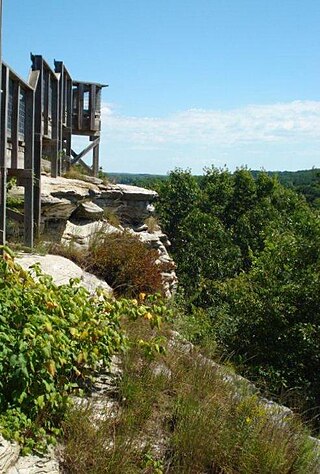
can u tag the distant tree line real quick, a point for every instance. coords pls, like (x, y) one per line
(305, 182)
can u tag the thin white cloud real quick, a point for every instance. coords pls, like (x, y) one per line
(291, 122)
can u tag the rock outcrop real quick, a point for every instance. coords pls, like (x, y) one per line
(64, 199)
(76, 211)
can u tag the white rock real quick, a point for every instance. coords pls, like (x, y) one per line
(74, 189)
(61, 269)
(9, 453)
(35, 465)
(88, 210)
(82, 235)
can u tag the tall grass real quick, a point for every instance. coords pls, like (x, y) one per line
(179, 415)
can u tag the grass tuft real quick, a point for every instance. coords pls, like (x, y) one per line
(179, 415)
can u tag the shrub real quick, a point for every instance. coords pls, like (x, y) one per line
(51, 339)
(123, 261)
(126, 264)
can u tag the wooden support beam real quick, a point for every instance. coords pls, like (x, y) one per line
(69, 104)
(80, 105)
(55, 157)
(92, 106)
(3, 151)
(20, 173)
(86, 150)
(29, 164)
(68, 137)
(60, 78)
(14, 215)
(38, 146)
(15, 124)
(86, 167)
(95, 157)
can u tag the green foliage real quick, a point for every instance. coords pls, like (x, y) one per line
(247, 251)
(217, 224)
(306, 182)
(271, 314)
(51, 340)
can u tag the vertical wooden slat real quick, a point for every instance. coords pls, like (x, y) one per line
(3, 151)
(68, 134)
(29, 164)
(60, 109)
(92, 106)
(80, 105)
(69, 104)
(38, 145)
(55, 128)
(15, 124)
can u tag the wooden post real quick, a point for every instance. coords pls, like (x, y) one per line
(15, 124)
(92, 106)
(3, 151)
(54, 148)
(38, 147)
(80, 105)
(29, 164)
(86, 150)
(95, 157)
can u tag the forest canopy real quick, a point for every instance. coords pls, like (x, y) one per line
(248, 255)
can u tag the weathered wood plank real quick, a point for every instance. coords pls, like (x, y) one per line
(3, 151)
(84, 165)
(38, 66)
(92, 105)
(95, 157)
(80, 105)
(55, 157)
(15, 124)
(29, 164)
(15, 215)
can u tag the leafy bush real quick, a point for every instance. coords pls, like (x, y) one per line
(270, 320)
(51, 339)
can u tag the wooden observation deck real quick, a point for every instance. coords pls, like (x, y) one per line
(38, 119)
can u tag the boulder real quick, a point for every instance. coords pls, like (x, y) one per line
(61, 196)
(130, 203)
(80, 235)
(74, 190)
(62, 270)
(89, 211)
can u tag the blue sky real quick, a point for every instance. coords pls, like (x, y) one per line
(191, 83)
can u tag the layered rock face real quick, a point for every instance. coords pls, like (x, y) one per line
(76, 211)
